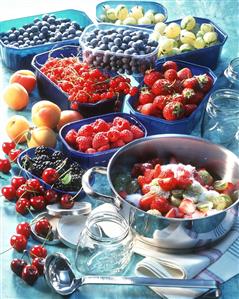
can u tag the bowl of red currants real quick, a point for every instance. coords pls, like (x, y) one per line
(172, 97)
(64, 79)
(93, 141)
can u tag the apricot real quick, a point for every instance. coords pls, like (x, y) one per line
(46, 113)
(42, 136)
(17, 127)
(15, 96)
(68, 116)
(25, 78)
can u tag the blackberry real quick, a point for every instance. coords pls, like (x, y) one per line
(36, 169)
(26, 162)
(58, 156)
(41, 150)
(57, 163)
(59, 185)
(47, 164)
(41, 159)
(75, 167)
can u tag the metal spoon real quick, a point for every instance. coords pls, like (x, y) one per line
(60, 277)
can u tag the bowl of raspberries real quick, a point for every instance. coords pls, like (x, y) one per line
(94, 140)
(172, 97)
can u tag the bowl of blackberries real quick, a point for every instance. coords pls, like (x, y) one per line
(21, 39)
(120, 48)
(52, 168)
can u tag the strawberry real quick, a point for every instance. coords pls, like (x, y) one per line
(205, 82)
(145, 188)
(170, 75)
(172, 213)
(169, 65)
(100, 139)
(187, 207)
(191, 83)
(146, 201)
(184, 74)
(188, 94)
(160, 102)
(151, 76)
(183, 179)
(145, 97)
(157, 170)
(137, 132)
(161, 87)
(147, 109)
(173, 111)
(161, 204)
(189, 108)
(197, 98)
(177, 86)
(179, 98)
(167, 184)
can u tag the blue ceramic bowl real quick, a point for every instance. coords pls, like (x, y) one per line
(155, 125)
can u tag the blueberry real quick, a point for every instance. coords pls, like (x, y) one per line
(64, 34)
(129, 51)
(17, 33)
(78, 33)
(148, 49)
(41, 35)
(44, 23)
(146, 35)
(45, 17)
(126, 39)
(126, 32)
(21, 30)
(140, 44)
(142, 52)
(32, 43)
(52, 28)
(124, 47)
(31, 35)
(130, 43)
(38, 42)
(71, 36)
(110, 45)
(119, 51)
(105, 39)
(51, 20)
(9, 32)
(6, 42)
(44, 29)
(76, 25)
(16, 45)
(94, 42)
(35, 38)
(36, 20)
(140, 34)
(59, 36)
(25, 39)
(68, 24)
(13, 28)
(20, 42)
(34, 29)
(134, 38)
(114, 49)
(118, 42)
(12, 37)
(72, 30)
(52, 39)
(28, 30)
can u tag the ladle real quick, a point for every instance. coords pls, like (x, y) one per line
(60, 277)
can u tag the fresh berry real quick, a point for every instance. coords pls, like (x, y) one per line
(100, 139)
(38, 251)
(160, 102)
(39, 263)
(50, 175)
(103, 148)
(71, 137)
(188, 94)
(146, 97)
(147, 109)
(133, 91)
(173, 111)
(169, 65)
(117, 143)
(179, 98)
(23, 206)
(101, 126)
(38, 203)
(13, 154)
(205, 82)
(161, 204)
(86, 130)
(17, 181)
(66, 201)
(198, 97)
(50, 196)
(24, 229)
(146, 201)
(189, 108)
(43, 227)
(152, 76)
(170, 75)
(187, 207)
(23, 191)
(18, 242)
(7, 146)
(184, 74)
(137, 132)
(17, 266)
(9, 192)
(5, 165)
(121, 123)
(113, 134)
(177, 86)
(166, 180)
(191, 83)
(162, 87)
(83, 143)
(172, 213)
(29, 274)
(127, 136)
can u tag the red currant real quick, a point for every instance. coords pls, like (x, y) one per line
(7, 146)
(38, 251)
(24, 229)
(50, 175)
(17, 181)
(18, 242)
(9, 192)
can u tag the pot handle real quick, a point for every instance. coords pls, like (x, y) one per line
(86, 185)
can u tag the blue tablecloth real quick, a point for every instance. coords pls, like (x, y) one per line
(225, 14)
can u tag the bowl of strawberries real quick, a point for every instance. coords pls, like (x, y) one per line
(172, 97)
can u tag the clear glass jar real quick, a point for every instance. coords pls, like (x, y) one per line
(105, 245)
(221, 119)
(230, 77)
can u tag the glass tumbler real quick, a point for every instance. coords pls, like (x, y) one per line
(221, 119)
(105, 245)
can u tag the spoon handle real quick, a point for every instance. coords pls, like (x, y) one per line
(146, 281)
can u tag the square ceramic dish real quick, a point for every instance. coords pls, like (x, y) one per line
(112, 61)
(208, 56)
(20, 58)
(155, 125)
(27, 174)
(98, 158)
(49, 90)
(146, 5)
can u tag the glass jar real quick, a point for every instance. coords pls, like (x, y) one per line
(221, 119)
(230, 77)
(105, 245)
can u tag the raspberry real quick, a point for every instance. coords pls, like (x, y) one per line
(117, 143)
(127, 136)
(137, 132)
(71, 137)
(121, 123)
(90, 151)
(83, 143)
(86, 130)
(103, 148)
(113, 134)
(100, 139)
(100, 126)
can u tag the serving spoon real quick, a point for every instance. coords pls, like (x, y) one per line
(61, 278)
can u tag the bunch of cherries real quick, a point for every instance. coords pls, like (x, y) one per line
(9, 148)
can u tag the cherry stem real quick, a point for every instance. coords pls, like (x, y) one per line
(47, 237)
(30, 213)
(77, 193)
(61, 165)
(6, 250)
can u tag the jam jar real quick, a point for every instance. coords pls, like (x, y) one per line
(105, 245)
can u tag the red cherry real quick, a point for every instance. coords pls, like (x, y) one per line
(38, 203)
(5, 165)
(7, 146)
(42, 227)
(17, 266)
(9, 192)
(38, 251)
(66, 201)
(41, 190)
(51, 196)
(13, 154)
(24, 229)
(33, 184)
(17, 181)
(50, 175)
(23, 206)
(18, 242)
(39, 263)
(30, 274)
(23, 191)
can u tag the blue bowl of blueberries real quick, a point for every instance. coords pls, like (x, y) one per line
(21, 39)
(119, 48)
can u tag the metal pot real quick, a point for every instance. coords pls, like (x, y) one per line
(172, 234)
